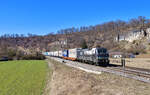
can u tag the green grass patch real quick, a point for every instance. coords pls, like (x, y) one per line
(23, 77)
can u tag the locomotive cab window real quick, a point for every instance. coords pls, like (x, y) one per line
(102, 50)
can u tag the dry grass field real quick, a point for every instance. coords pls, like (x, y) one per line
(134, 62)
(70, 81)
(143, 56)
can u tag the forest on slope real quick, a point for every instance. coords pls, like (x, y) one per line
(97, 35)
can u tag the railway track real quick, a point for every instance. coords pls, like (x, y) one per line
(129, 72)
(134, 72)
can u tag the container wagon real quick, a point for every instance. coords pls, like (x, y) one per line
(74, 53)
(46, 53)
(65, 54)
(60, 54)
(56, 54)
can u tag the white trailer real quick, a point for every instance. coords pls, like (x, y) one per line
(50, 53)
(60, 54)
(74, 53)
(55, 53)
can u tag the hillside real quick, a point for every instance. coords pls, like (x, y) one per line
(98, 35)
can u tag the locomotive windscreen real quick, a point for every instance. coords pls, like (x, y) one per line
(103, 50)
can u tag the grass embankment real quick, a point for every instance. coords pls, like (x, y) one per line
(71, 81)
(22, 77)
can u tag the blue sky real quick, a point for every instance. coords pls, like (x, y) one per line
(46, 16)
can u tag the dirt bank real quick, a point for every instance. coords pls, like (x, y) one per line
(70, 81)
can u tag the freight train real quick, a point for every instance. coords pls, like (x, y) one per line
(95, 56)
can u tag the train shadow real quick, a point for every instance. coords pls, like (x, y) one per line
(114, 65)
(110, 65)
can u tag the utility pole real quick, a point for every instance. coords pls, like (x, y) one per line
(62, 49)
(62, 45)
(123, 62)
